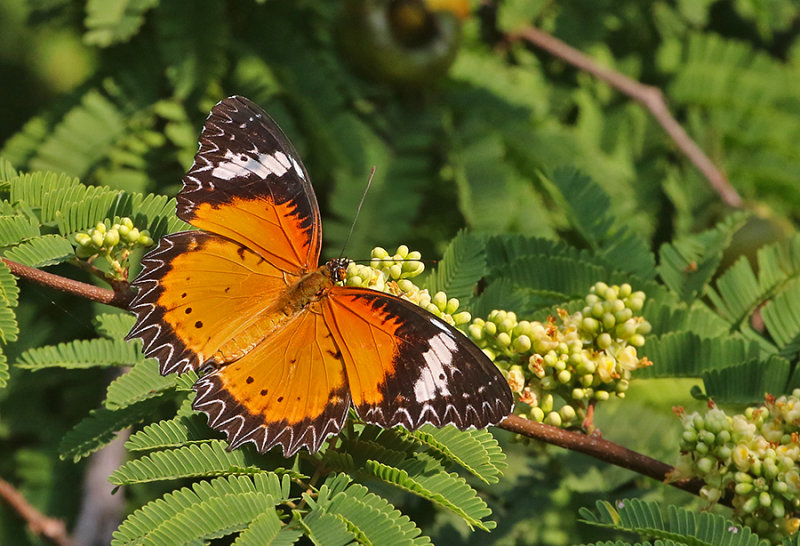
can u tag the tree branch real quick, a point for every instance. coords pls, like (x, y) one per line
(118, 298)
(53, 529)
(649, 96)
(601, 449)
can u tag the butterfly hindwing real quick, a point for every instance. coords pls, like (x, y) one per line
(200, 297)
(290, 390)
(248, 184)
(408, 367)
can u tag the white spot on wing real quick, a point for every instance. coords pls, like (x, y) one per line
(438, 357)
(242, 165)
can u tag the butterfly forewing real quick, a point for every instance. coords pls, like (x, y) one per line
(408, 367)
(248, 184)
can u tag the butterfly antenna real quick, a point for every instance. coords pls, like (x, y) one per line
(358, 210)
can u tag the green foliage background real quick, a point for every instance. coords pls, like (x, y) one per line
(564, 180)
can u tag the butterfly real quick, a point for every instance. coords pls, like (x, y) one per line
(283, 348)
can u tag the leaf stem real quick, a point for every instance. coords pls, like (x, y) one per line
(602, 449)
(649, 96)
(120, 297)
(53, 529)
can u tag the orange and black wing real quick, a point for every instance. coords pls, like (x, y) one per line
(200, 300)
(407, 367)
(291, 390)
(248, 184)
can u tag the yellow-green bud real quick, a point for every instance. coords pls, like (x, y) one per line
(440, 300)
(402, 252)
(111, 238)
(567, 413)
(101, 227)
(83, 239)
(127, 222)
(522, 344)
(462, 318)
(503, 339)
(537, 414)
(97, 238)
(452, 306)
(553, 419)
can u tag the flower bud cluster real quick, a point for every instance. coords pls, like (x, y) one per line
(559, 370)
(755, 455)
(112, 241)
(392, 274)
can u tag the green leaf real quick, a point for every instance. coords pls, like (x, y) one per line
(156, 213)
(114, 325)
(100, 427)
(193, 461)
(158, 513)
(81, 353)
(748, 382)
(370, 518)
(687, 265)
(112, 21)
(82, 138)
(170, 433)
(78, 208)
(9, 291)
(684, 526)
(7, 170)
(30, 188)
(143, 381)
(42, 251)
(685, 354)
(9, 328)
(3, 370)
(462, 266)
(425, 478)
(267, 530)
(15, 229)
(586, 204)
(326, 529)
(476, 451)
(781, 317)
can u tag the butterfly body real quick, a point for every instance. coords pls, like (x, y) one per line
(286, 350)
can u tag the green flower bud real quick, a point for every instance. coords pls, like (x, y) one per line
(402, 251)
(710, 494)
(101, 227)
(127, 222)
(503, 339)
(490, 328)
(475, 332)
(98, 238)
(609, 321)
(553, 419)
(597, 310)
(764, 499)
(637, 340)
(750, 505)
(604, 341)
(564, 376)
(625, 290)
(778, 509)
(587, 380)
(590, 325)
(537, 414)
(452, 306)
(644, 328)
(395, 271)
(705, 465)
(567, 413)
(602, 395)
(462, 318)
(133, 235)
(547, 403)
(83, 239)
(522, 344)
(743, 488)
(440, 300)
(111, 239)
(578, 394)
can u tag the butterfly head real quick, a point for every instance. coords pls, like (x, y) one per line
(338, 268)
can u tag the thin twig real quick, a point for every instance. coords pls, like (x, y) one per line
(119, 298)
(649, 96)
(50, 528)
(601, 449)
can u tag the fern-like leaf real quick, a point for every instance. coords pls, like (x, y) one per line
(370, 518)
(476, 451)
(3, 370)
(154, 515)
(462, 266)
(100, 427)
(81, 354)
(267, 530)
(682, 525)
(426, 478)
(114, 325)
(112, 21)
(18, 228)
(210, 458)
(30, 188)
(42, 251)
(78, 208)
(748, 382)
(143, 381)
(685, 354)
(169, 433)
(7, 170)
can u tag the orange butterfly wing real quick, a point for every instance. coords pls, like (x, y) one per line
(248, 184)
(290, 390)
(407, 367)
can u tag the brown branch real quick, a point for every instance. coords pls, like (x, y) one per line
(649, 96)
(601, 449)
(51, 528)
(120, 297)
